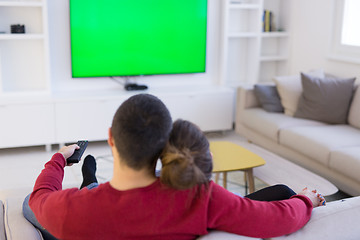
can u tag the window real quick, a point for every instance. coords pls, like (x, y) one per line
(350, 34)
(346, 33)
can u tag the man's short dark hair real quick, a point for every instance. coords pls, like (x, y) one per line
(141, 129)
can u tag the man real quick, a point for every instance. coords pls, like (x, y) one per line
(140, 130)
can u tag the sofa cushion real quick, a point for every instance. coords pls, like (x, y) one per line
(269, 97)
(269, 124)
(346, 161)
(317, 142)
(338, 220)
(325, 99)
(16, 226)
(290, 89)
(2, 228)
(354, 112)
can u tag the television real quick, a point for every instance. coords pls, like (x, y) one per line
(137, 37)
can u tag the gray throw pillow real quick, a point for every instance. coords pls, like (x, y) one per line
(268, 97)
(325, 99)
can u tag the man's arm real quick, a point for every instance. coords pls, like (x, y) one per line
(48, 183)
(231, 213)
(50, 178)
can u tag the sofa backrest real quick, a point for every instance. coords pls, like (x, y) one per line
(354, 112)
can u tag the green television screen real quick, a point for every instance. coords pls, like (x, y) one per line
(137, 37)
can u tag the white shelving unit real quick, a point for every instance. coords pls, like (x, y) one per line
(24, 58)
(26, 107)
(250, 55)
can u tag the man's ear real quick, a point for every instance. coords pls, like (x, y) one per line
(110, 138)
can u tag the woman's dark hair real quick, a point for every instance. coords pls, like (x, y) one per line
(186, 159)
(141, 128)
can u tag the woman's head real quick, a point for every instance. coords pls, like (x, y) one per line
(186, 158)
(140, 130)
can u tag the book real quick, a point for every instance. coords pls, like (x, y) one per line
(267, 21)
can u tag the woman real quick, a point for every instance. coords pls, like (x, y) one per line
(187, 161)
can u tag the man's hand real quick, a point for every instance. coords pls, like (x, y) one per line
(316, 198)
(67, 151)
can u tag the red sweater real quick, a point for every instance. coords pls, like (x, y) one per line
(156, 211)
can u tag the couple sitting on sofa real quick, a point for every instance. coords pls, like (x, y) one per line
(181, 204)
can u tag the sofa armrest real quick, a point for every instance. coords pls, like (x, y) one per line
(16, 226)
(337, 220)
(246, 98)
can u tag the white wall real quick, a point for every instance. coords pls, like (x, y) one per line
(312, 24)
(60, 55)
(311, 31)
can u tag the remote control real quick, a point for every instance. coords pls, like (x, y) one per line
(75, 158)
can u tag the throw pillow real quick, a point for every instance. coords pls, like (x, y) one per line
(354, 112)
(325, 99)
(290, 89)
(268, 97)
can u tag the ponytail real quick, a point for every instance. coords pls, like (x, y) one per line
(186, 159)
(179, 170)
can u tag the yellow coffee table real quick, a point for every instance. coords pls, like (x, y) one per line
(228, 156)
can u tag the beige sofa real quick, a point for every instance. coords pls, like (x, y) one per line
(330, 150)
(337, 220)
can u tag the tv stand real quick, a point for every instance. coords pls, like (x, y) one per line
(211, 107)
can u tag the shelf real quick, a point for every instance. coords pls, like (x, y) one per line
(20, 4)
(274, 34)
(19, 36)
(273, 58)
(245, 6)
(242, 34)
(235, 84)
(254, 34)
